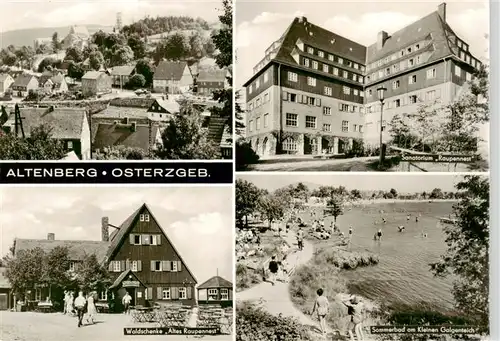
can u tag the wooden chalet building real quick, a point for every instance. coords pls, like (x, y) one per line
(216, 290)
(140, 258)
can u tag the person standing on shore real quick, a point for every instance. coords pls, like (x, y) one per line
(321, 307)
(300, 238)
(273, 269)
(355, 310)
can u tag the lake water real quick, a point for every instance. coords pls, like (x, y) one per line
(402, 275)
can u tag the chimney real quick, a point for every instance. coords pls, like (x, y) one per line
(105, 229)
(51, 236)
(302, 19)
(381, 38)
(442, 11)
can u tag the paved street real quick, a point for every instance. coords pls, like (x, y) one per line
(28, 326)
(300, 165)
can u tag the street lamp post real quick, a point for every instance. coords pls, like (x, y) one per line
(381, 93)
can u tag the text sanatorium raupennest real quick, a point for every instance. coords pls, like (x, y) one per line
(115, 172)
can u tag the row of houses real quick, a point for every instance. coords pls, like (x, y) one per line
(141, 260)
(130, 122)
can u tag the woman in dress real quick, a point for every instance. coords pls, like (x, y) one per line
(70, 303)
(91, 309)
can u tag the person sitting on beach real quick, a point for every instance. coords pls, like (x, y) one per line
(355, 310)
(273, 269)
(321, 307)
(401, 228)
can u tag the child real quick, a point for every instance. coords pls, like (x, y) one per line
(355, 310)
(321, 306)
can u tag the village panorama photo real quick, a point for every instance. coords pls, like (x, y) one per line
(134, 80)
(362, 86)
(93, 264)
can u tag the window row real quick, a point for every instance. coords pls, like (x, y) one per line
(303, 99)
(172, 293)
(218, 294)
(334, 58)
(332, 70)
(136, 265)
(257, 123)
(328, 91)
(144, 217)
(258, 101)
(256, 84)
(405, 100)
(395, 68)
(145, 239)
(345, 127)
(401, 53)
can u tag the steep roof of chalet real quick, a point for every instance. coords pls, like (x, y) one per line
(116, 134)
(124, 70)
(431, 26)
(212, 76)
(78, 249)
(216, 127)
(66, 123)
(122, 276)
(216, 282)
(23, 80)
(167, 70)
(119, 236)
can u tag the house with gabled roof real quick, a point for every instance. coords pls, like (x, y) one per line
(53, 82)
(120, 75)
(5, 82)
(23, 84)
(216, 290)
(209, 81)
(96, 83)
(172, 77)
(139, 256)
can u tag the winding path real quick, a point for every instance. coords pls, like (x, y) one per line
(275, 299)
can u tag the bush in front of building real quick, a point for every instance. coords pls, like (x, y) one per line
(245, 155)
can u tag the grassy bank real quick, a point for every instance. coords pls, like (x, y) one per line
(323, 272)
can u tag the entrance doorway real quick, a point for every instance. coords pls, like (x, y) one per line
(265, 146)
(4, 302)
(131, 292)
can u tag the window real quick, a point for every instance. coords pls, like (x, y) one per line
(292, 76)
(312, 101)
(340, 60)
(327, 91)
(311, 81)
(431, 73)
(250, 125)
(380, 74)
(325, 67)
(327, 127)
(395, 67)
(419, 60)
(174, 266)
(356, 92)
(315, 64)
(388, 71)
(360, 128)
(354, 127)
(361, 94)
(306, 62)
(224, 294)
(368, 109)
(431, 95)
(397, 103)
(291, 120)
(343, 107)
(266, 120)
(409, 50)
(257, 123)
(417, 47)
(71, 266)
(330, 57)
(468, 76)
(345, 74)
(293, 97)
(356, 66)
(311, 122)
(382, 127)
(266, 76)
(257, 103)
(458, 71)
(413, 99)
(327, 111)
(321, 54)
(412, 79)
(212, 294)
(165, 293)
(257, 83)
(395, 84)
(347, 90)
(345, 126)
(70, 144)
(335, 71)
(141, 217)
(354, 77)
(370, 92)
(116, 266)
(38, 294)
(411, 62)
(310, 50)
(348, 63)
(290, 144)
(266, 98)
(103, 296)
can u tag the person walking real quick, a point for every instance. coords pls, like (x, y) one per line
(284, 270)
(355, 310)
(300, 238)
(70, 303)
(321, 307)
(126, 303)
(91, 308)
(273, 269)
(80, 307)
(65, 300)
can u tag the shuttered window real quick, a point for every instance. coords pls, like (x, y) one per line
(175, 293)
(189, 293)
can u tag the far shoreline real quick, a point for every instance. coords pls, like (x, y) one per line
(385, 201)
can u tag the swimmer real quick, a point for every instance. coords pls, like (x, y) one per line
(424, 235)
(379, 234)
(384, 220)
(416, 219)
(350, 231)
(408, 217)
(401, 228)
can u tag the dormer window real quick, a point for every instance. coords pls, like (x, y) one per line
(321, 54)
(144, 217)
(310, 50)
(71, 266)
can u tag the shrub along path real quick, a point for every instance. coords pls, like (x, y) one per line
(276, 299)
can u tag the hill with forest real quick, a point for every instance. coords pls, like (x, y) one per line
(26, 37)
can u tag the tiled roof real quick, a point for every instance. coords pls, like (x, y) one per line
(429, 26)
(136, 102)
(92, 75)
(169, 70)
(172, 107)
(121, 112)
(66, 123)
(22, 80)
(212, 76)
(122, 276)
(118, 236)
(124, 70)
(77, 248)
(216, 282)
(216, 127)
(110, 134)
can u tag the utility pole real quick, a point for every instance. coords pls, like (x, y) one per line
(18, 122)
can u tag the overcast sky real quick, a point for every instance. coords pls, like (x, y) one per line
(259, 23)
(198, 220)
(403, 183)
(21, 14)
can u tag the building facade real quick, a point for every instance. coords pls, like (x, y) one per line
(172, 77)
(5, 82)
(317, 92)
(216, 291)
(23, 84)
(96, 83)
